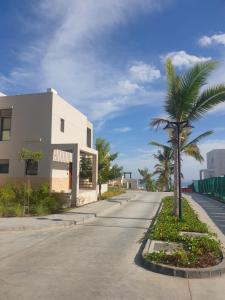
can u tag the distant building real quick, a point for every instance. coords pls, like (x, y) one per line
(130, 183)
(215, 164)
(127, 183)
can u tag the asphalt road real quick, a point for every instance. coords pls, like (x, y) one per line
(93, 261)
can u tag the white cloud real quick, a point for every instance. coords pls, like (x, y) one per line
(67, 55)
(213, 39)
(127, 87)
(123, 129)
(143, 72)
(182, 59)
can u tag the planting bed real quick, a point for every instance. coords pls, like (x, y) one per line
(199, 248)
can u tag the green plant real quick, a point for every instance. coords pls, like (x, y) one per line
(41, 200)
(19, 211)
(165, 166)
(113, 191)
(197, 251)
(42, 210)
(186, 100)
(106, 171)
(26, 154)
(147, 180)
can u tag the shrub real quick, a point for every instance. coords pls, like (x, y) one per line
(41, 210)
(168, 227)
(112, 191)
(41, 201)
(19, 211)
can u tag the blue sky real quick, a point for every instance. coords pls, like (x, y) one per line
(107, 59)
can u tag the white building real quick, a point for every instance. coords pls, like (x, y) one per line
(45, 122)
(130, 183)
(215, 164)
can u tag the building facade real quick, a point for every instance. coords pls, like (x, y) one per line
(47, 123)
(215, 164)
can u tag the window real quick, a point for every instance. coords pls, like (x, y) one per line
(62, 125)
(89, 137)
(31, 167)
(5, 124)
(4, 166)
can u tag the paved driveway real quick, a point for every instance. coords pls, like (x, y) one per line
(93, 261)
(214, 208)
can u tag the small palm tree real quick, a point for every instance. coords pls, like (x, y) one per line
(164, 168)
(147, 179)
(106, 171)
(187, 101)
(166, 158)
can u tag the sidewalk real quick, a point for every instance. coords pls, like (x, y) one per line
(201, 204)
(72, 217)
(214, 208)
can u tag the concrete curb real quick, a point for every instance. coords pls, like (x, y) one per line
(37, 227)
(209, 272)
(87, 217)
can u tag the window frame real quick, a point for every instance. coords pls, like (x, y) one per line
(5, 114)
(89, 137)
(62, 125)
(33, 165)
(4, 164)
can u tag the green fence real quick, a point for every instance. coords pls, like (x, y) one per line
(213, 186)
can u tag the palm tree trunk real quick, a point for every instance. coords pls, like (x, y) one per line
(100, 191)
(176, 179)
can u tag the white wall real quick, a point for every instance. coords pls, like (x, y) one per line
(30, 128)
(76, 123)
(86, 196)
(216, 162)
(104, 188)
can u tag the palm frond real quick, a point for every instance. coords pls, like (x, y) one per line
(184, 92)
(207, 100)
(163, 146)
(157, 122)
(197, 139)
(191, 83)
(170, 71)
(193, 150)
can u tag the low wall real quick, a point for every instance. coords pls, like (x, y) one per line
(104, 188)
(90, 195)
(86, 196)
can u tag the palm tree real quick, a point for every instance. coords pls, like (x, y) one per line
(164, 167)
(166, 159)
(147, 179)
(187, 101)
(106, 171)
